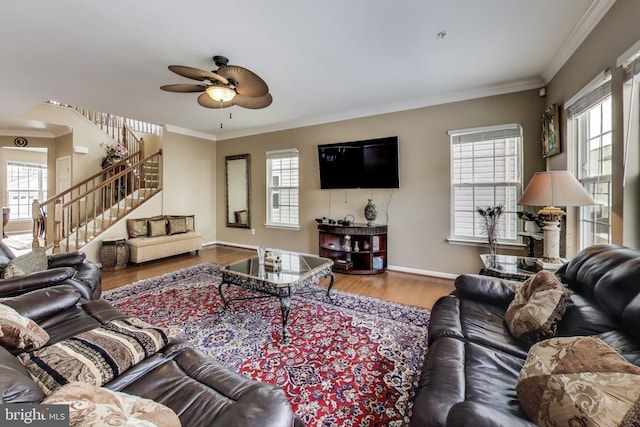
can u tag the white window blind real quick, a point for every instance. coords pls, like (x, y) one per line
(486, 166)
(598, 89)
(283, 177)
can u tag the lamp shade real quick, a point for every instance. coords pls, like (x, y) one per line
(555, 188)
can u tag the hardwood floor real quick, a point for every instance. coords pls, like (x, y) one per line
(405, 288)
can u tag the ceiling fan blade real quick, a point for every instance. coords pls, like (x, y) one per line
(249, 83)
(206, 101)
(252, 102)
(184, 88)
(197, 74)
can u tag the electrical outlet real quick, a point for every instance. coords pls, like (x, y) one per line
(253, 231)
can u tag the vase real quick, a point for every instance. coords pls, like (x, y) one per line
(370, 212)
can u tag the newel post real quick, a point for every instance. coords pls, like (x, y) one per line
(36, 217)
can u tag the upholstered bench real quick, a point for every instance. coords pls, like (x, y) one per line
(162, 236)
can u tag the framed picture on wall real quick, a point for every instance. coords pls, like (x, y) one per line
(550, 132)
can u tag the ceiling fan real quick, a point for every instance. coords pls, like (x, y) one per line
(227, 86)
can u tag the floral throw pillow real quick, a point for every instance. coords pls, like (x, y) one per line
(92, 406)
(18, 331)
(536, 309)
(579, 381)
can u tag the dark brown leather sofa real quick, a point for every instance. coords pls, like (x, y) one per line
(472, 364)
(66, 268)
(199, 390)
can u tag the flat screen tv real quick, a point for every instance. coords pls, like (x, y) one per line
(371, 163)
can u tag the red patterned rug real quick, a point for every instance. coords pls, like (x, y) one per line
(351, 362)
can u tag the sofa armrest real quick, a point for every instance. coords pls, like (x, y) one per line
(490, 290)
(16, 385)
(88, 280)
(475, 414)
(41, 279)
(67, 259)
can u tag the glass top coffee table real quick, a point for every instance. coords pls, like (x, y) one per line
(297, 272)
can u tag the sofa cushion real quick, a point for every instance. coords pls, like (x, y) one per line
(28, 263)
(91, 406)
(18, 331)
(96, 356)
(537, 308)
(137, 227)
(157, 227)
(177, 226)
(579, 381)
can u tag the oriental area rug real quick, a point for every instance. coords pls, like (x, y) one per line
(351, 362)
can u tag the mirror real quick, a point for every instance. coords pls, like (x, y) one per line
(237, 179)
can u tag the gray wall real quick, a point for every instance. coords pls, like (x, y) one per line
(417, 212)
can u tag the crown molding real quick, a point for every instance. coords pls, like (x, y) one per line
(592, 16)
(444, 98)
(190, 132)
(33, 133)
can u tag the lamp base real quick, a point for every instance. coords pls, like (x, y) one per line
(549, 264)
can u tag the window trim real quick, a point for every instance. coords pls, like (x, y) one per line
(473, 135)
(42, 190)
(580, 140)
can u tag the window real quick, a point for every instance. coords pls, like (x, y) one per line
(591, 121)
(282, 190)
(25, 182)
(486, 168)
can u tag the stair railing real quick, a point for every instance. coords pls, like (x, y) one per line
(83, 211)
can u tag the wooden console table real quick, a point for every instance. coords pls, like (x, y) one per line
(355, 248)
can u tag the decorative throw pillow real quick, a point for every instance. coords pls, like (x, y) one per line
(189, 220)
(96, 356)
(18, 331)
(579, 381)
(536, 309)
(177, 225)
(91, 406)
(137, 228)
(31, 262)
(157, 227)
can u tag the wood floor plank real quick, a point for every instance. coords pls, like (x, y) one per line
(405, 288)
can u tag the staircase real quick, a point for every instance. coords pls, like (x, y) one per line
(76, 216)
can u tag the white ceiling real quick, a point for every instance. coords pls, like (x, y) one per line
(323, 60)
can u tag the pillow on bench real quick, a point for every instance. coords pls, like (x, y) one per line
(96, 356)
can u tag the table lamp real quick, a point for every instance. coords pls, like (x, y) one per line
(552, 189)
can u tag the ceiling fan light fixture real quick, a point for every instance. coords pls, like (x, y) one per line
(220, 93)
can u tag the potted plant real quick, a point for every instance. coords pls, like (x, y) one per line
(533, 222)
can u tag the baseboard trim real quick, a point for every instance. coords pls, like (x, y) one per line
(399, 269)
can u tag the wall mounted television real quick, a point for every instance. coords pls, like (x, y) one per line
(371, 163)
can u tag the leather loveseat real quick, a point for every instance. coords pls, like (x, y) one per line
(199, 390)
(70, 268)
(473, 362)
